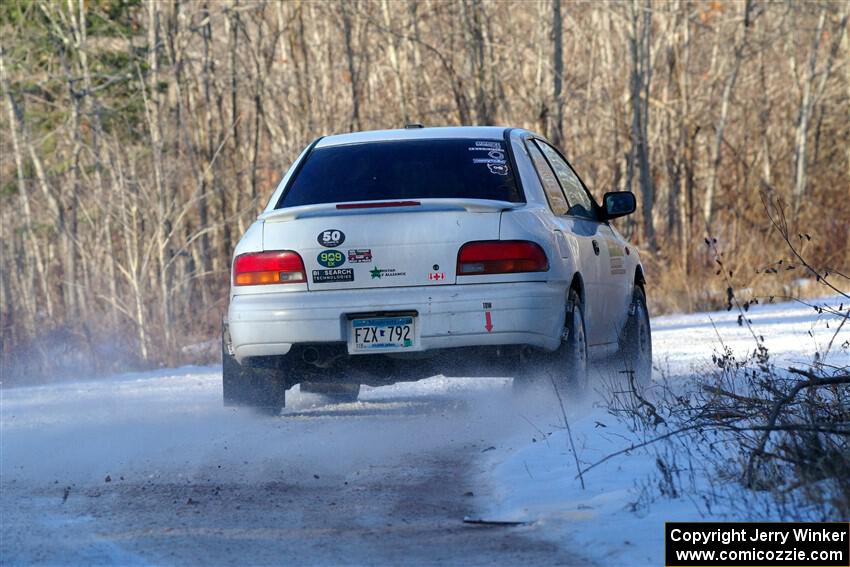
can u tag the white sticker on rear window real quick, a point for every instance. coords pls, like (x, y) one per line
(495, 148)
(496, 160)
(498, 168)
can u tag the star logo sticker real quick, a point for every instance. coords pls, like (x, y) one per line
(376, 273)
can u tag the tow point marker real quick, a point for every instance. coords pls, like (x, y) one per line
(488, 322)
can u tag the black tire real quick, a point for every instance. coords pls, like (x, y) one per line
(567, 366)
(333, 392)
(570, 361)
(636, 344)
(263, 389)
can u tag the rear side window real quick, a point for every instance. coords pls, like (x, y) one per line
(579, 200)
(557, 201)
(407, 169)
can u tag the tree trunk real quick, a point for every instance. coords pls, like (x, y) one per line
(395, 61)
(354, 123)
(162, 276)
(557, 131)
(740, 45)
(640, 83)
(28, 300)
(803, 118)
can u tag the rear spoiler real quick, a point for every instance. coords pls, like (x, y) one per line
(375, 207)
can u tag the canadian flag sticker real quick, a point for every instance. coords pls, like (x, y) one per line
(436, 276)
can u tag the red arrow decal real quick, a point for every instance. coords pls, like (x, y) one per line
(489, 322)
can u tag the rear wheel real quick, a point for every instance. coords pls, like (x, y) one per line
(263, 389)
(333, 392)
(636, 344)
(567, 366)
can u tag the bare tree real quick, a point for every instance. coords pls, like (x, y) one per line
(141, 139)
(557, 132)
(731, 79)
(641, 77)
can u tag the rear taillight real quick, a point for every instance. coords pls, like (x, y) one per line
(500, 257)
(278, 267)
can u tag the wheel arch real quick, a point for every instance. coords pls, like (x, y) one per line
(640, 280)
(577, 284)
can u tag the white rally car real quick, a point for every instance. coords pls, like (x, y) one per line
(400, 254)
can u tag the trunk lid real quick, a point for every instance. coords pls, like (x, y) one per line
(374, 248)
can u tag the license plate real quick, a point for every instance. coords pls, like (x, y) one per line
(382, 334)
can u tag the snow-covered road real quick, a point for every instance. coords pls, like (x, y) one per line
(150, 469)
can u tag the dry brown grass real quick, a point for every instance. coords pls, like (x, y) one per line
(780, 435)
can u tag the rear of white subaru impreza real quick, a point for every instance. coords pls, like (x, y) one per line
(381, 254)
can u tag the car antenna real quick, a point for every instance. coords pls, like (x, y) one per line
(412, 126)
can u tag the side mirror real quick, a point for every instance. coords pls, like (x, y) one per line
(618, 204)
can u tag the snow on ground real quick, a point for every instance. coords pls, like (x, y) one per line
(150, 469)
(612, 520)
(385, 480)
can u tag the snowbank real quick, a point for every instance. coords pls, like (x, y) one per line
(618, 518)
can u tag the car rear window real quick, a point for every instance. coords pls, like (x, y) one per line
(407, 169)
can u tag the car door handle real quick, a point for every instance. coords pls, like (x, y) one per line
(596, 248)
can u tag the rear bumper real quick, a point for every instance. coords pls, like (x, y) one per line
(522, 313)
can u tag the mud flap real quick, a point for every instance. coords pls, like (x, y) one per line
(243, 385)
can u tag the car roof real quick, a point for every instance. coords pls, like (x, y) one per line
(459, 132)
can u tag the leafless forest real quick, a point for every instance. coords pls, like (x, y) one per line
(140, 138)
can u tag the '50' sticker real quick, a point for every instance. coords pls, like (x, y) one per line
(331, 238)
